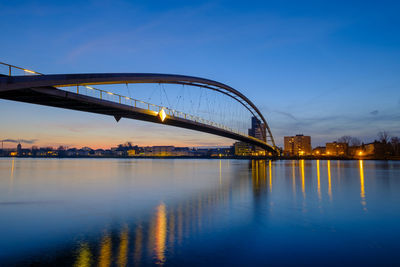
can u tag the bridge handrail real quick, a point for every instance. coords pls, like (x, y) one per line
(169, 111)
(10, 67)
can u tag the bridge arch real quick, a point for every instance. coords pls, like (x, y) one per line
(44, 90)
(64, 80)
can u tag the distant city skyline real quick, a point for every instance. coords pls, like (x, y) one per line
(29, 145)
(10, 143)
(323, 69)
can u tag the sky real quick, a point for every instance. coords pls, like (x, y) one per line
(319, 68)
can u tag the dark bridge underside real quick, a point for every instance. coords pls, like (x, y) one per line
(51, 96)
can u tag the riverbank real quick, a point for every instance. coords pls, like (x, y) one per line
(214, 157)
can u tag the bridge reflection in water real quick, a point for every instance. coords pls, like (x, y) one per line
(129, 212)
(251, 197)
(156, 240)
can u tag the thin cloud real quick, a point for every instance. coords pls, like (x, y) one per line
(26, 141)
(287, 114)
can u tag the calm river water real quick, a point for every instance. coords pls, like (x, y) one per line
(188, 212)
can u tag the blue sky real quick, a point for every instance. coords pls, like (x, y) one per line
(321, 68)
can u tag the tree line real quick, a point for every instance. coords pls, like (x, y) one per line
(390, 143)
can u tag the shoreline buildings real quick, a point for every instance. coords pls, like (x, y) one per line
(122, 150)
(257, 130)
(299, 145)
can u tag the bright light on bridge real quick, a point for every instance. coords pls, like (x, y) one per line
(162, 114)
(30, 71)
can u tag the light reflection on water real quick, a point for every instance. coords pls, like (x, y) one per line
(198, 212)
(84, 257)
(319, 181)
(362, 193)
(329, 181)
(105, 250)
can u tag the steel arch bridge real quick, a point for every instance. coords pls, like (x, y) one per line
(48, 90)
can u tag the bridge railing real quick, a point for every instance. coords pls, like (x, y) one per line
(117, 98)
(11, 69)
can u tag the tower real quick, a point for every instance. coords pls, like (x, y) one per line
(19, 149)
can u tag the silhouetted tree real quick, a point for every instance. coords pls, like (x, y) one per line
(395, 142)
(351, 141)
(383, 137)
(345, 139)
(355, 141)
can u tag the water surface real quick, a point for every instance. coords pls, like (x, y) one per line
(130, 212)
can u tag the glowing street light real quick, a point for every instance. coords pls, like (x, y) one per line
(162, 115)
